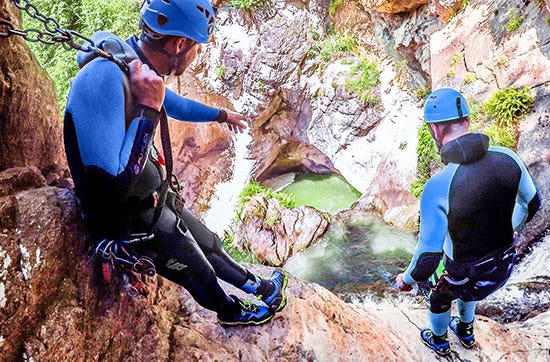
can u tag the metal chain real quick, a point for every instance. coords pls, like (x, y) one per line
(54, 34)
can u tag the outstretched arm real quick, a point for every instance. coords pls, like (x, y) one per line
(185, 109)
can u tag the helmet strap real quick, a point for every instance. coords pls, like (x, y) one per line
(459, 108)
(158, 43)
(437, 143)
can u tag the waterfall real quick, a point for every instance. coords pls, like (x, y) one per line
(226, 195)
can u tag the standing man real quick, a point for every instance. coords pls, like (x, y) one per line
(470, 213)
(109, 128)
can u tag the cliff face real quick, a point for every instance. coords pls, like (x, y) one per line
(30, 129)
(53, 303)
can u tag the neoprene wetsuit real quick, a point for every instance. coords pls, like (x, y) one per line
(468, 213)
(116, 171)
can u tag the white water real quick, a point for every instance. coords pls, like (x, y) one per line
(225, 198)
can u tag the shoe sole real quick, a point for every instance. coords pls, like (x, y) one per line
(465, 344)
(248, 323)
(433, 349)
(280, 301)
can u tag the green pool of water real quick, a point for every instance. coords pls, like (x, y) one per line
(329, 193)
(351, 253)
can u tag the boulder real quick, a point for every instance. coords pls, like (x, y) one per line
(273, 233)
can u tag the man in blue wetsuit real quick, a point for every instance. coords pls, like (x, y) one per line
(470, 214)
(109, 128)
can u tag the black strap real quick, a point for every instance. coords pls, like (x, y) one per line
(169, 164)
(166, 145)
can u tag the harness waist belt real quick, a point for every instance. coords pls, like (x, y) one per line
(495, 259)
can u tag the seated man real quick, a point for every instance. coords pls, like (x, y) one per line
(124, 191)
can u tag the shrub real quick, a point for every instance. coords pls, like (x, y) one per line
(364, 76)
(502, 136)
(427, 160)
(422, 92)
(514, 22)
(221, 70)
(86, 17)
(469, 78)
(241, 256)
(254, 188)
(508, 106)
(335, 43)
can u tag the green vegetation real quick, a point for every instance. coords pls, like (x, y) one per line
(514, 22)
(333, 44)
(260, 86)
(505, 109)
(422, 92)
(508, 106)
(364, 77)
(462, 7)
(254, 188)
(428, 159)
(502, 136)
(458, 56)
(469, 78)
(221, 70)
(477, 116)
(241, 256)
(328, 193)
(502, 61)
(334, 5)
(248, 4)
(86, 17)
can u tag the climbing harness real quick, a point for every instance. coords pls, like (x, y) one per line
(119, 258)
(53, 33)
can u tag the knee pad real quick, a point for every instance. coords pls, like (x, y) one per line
(440, 303)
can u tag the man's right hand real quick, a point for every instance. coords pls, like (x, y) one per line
(401, 285)
(147, 87)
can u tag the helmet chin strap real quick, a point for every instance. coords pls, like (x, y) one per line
(437, 142)
(158, 44)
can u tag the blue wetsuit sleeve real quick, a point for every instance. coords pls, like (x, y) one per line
(96, 103)
(434, 206)
(528, 198)
(185, 109)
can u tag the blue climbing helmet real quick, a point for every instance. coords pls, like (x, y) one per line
(193, 19)
(445, 104)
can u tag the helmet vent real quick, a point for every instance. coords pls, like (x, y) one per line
(162, 19)
(166, 1)
(204, 11)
